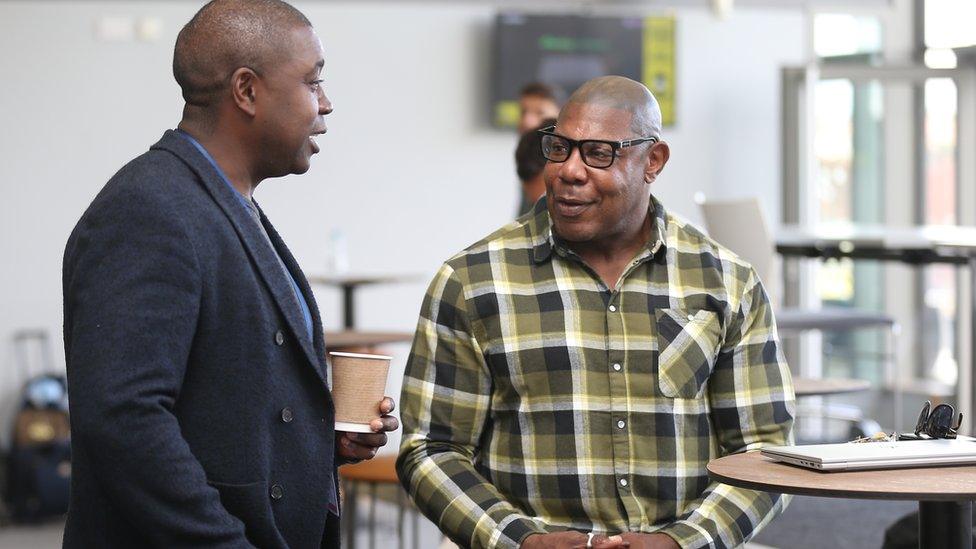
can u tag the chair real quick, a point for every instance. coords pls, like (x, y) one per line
(374, 473)
(740, 225)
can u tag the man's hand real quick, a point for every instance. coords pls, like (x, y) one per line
(650, 541)
(571, 540)
(359, 446)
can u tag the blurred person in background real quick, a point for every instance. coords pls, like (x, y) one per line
(537, 102)
(529, 163)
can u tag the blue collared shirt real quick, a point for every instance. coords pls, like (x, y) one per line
(251, 209)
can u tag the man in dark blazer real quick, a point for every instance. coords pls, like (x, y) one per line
(200, 412)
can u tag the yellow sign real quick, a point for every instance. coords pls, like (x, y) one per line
(507, 113)
(658, 58)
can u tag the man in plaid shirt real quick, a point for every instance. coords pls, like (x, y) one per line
(574, 371)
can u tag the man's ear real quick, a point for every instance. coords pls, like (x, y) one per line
(657, 157)
(242, 86)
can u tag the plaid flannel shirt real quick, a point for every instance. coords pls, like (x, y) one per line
(538, 399)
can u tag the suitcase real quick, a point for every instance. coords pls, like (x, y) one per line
(38, 466)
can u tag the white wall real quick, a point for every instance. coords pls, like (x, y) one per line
(410, 169)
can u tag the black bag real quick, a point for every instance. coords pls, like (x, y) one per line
(39, 481)
(38, 468)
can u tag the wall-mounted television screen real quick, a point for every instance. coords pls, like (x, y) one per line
(566, 50)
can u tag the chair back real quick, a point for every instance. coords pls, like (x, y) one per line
(740, 225)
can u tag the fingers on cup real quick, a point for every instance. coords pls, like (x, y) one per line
(385, 423)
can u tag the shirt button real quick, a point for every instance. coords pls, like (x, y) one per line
(691, 317)
(277, 492)
(287, 415)
(621, 424)
(623, 482)
(279, 338)
(616, 367)
(613, 308)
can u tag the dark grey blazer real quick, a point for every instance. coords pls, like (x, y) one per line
(200, 415)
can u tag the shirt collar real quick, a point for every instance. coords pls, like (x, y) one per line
(546, 240)
(243, 199)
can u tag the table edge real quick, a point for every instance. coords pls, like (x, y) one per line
(835, 493)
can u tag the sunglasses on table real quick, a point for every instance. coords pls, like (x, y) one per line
(934, 423)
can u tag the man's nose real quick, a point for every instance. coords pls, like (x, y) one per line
(325, 106)
(573, 170)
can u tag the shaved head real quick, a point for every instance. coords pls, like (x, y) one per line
(226, 35)
(625, 94)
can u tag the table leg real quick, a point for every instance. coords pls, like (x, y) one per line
(972, 333)
(416, 529)
(372, 515)
(349, 514)
(945, 525)
(401, 507)
(348, 306)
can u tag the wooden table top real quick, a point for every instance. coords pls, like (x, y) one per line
(352, 280)
(805, 386)
(380, 469)
(359, 338)
(752, 470)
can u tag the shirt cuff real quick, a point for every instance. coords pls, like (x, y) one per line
(686, 535)
(520, 529)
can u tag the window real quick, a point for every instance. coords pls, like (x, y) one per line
(848, 145)
(948, 24)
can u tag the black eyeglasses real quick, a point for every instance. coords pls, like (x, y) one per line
(934, 423)
(596, 153)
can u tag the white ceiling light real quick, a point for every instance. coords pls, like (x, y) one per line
(722, 8)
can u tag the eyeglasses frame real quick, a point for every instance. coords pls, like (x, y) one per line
(578, 144)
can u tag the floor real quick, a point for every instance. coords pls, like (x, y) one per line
(44, 536)
(808, 523)
(853, 524)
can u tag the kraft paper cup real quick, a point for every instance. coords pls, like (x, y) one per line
(358, 384)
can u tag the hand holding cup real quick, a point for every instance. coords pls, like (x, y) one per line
(359, 446)
(362, 412)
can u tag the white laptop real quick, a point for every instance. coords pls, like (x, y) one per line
(876, 455)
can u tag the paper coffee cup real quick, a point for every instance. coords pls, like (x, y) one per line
(358, 384)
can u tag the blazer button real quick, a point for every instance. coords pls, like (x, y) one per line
(277, 492)
(279, 338)
(286, 415)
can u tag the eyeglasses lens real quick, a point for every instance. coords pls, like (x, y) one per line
(940, 421)
(555, 148)
(921, 425)
(597, 155)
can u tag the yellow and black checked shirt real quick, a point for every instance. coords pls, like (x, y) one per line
(538, 399)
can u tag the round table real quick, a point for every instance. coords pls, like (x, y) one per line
(348, 283)
(345, 340)
(945, 494)
(806, 386)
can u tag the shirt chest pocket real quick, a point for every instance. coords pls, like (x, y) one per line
(688, 342)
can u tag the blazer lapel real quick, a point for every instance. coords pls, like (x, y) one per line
(318, 330)
(254, 242)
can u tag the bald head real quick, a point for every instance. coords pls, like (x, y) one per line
(226, 35)
(625, 94)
